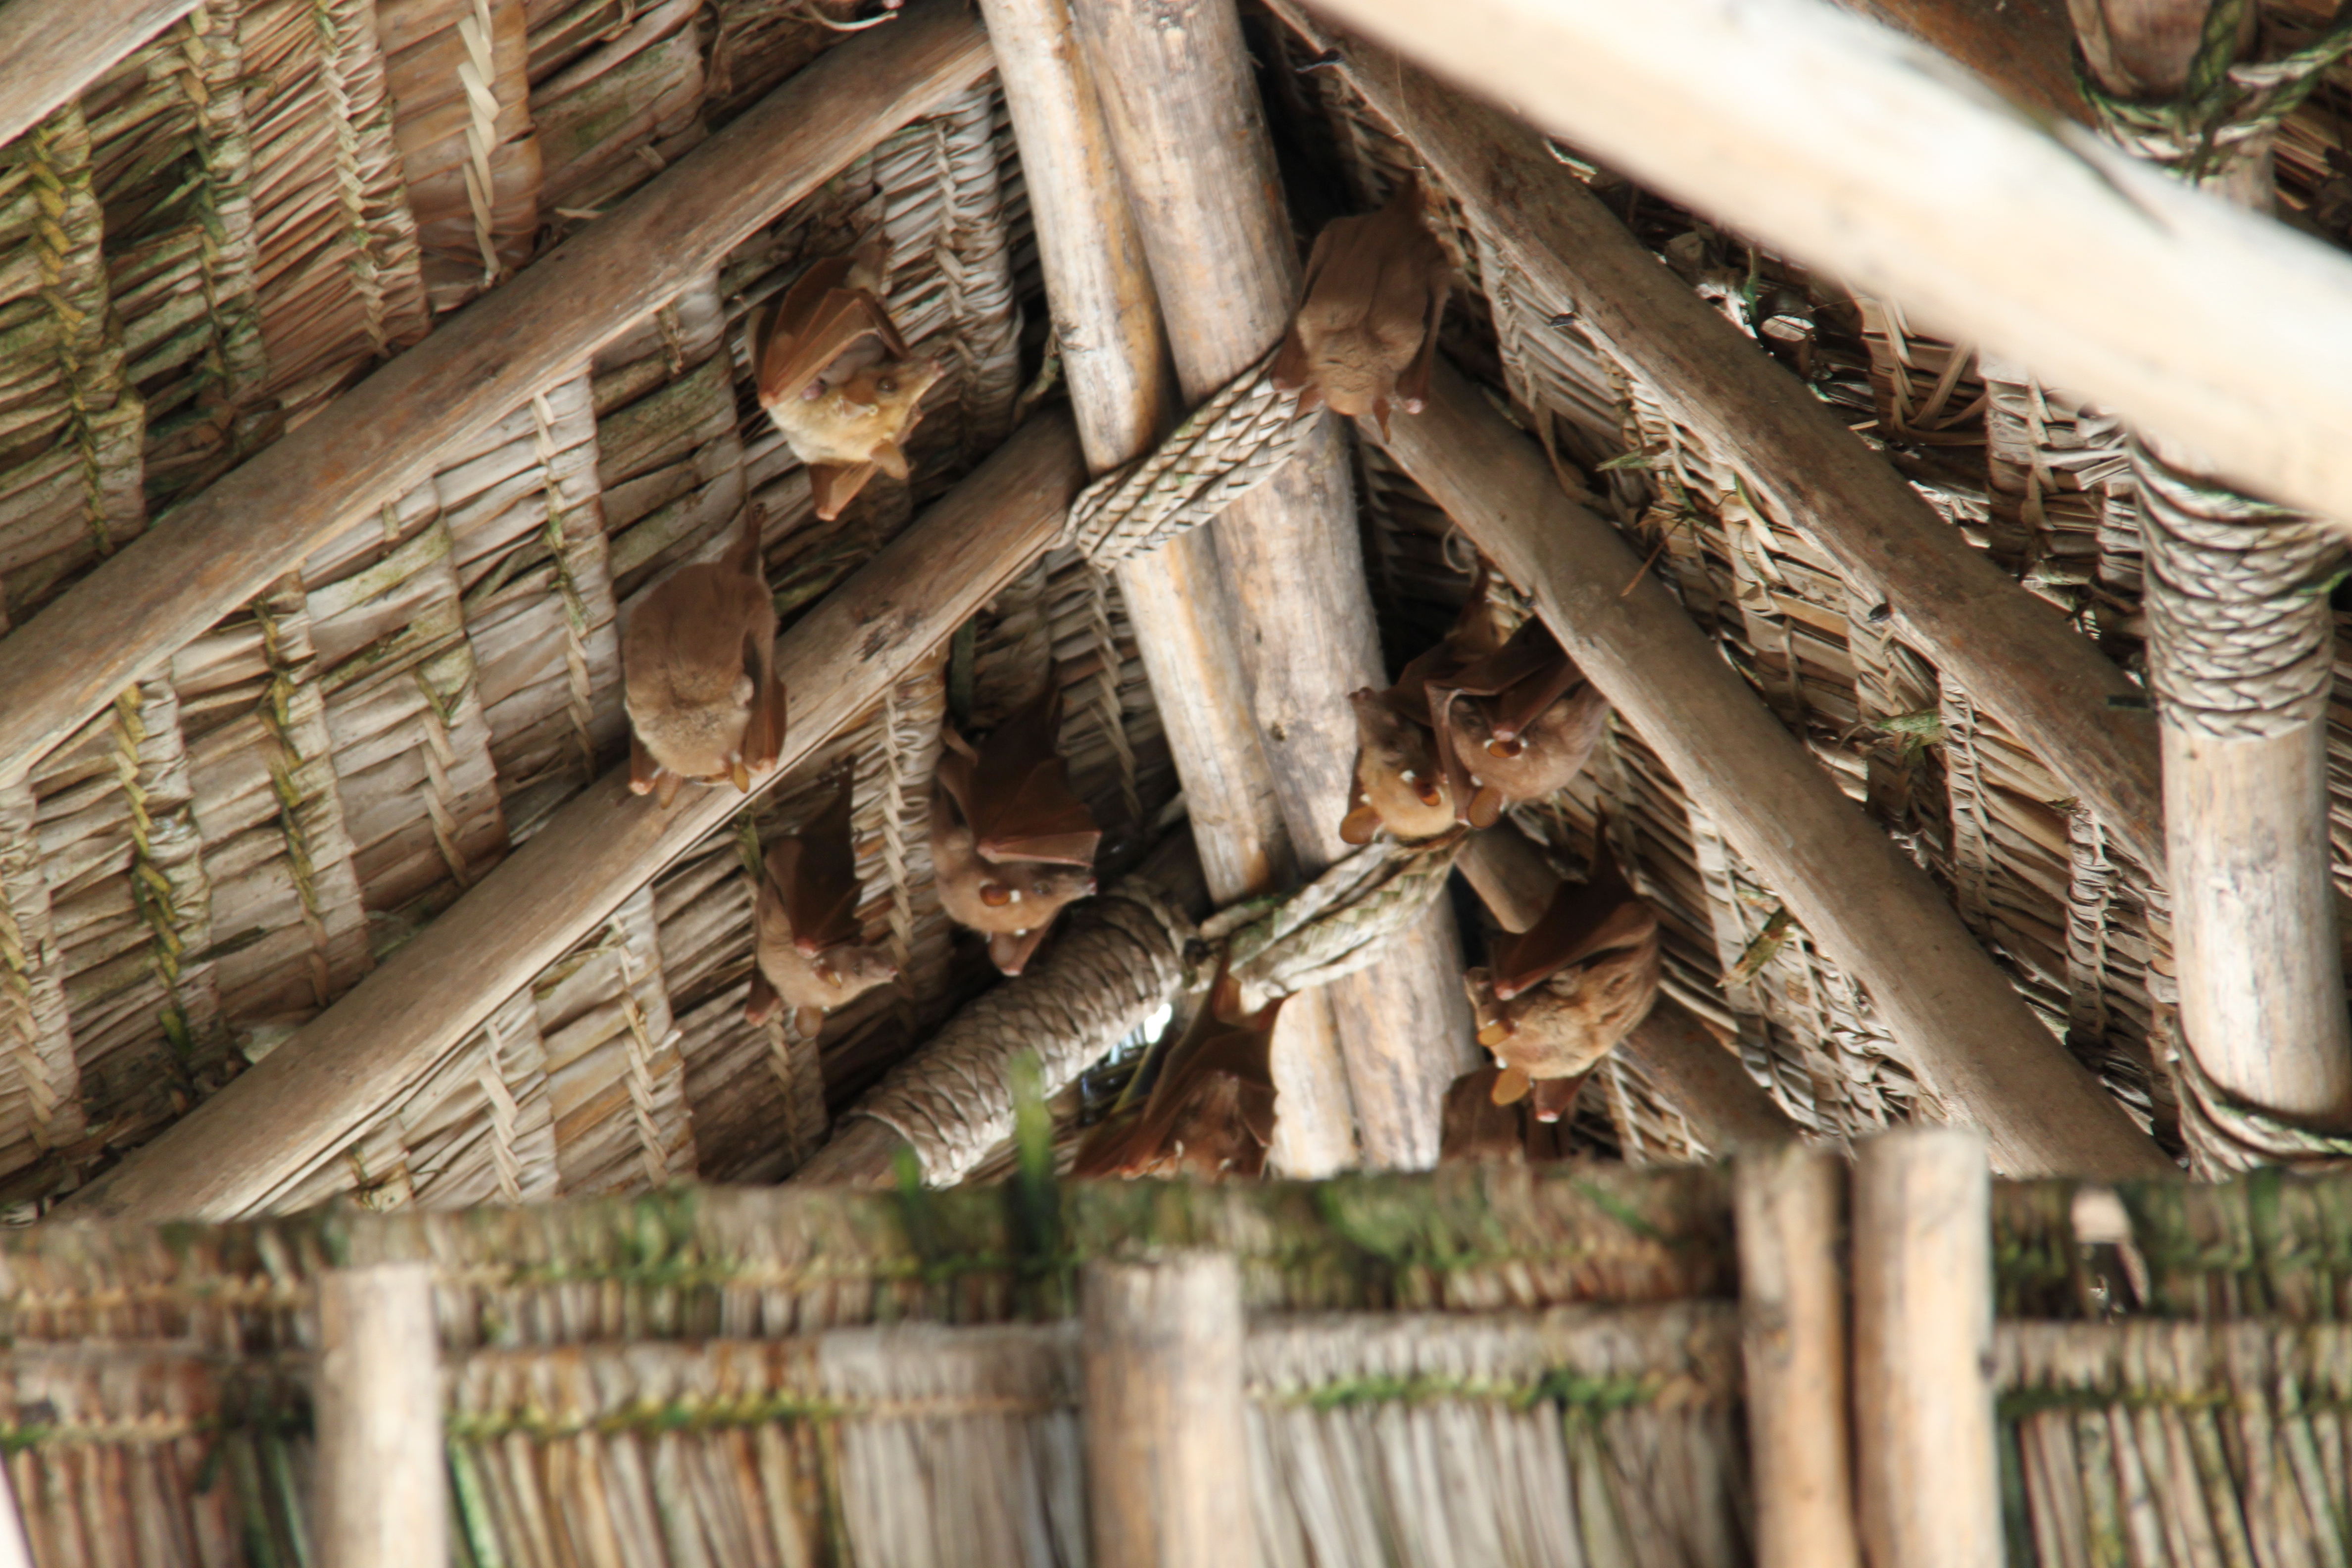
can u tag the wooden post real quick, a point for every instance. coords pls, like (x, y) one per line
(2253, 907)
(1861, 153)
(1790, 1207)
(1122, 389)
(15, 1551)
(1167, 1431)
(56, 49)
(1289, 554)
(2012, 650)
(1680, 1058)
(1871, 910)
(383, 1496)
(225, 546)
(315, 1091)
(2024, 47)
(1923, 1396)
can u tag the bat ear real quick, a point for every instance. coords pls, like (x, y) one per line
(809, 1021)
(835, 485)
(760, 1003)
(642, 769)
(1011, 951)
(888, 457)
(1359, 825)
(665, 785)
(1381, 416)
(1485, 807)
(1512, 1086)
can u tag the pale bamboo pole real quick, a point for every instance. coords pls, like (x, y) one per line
(2024, 47)
(1857, 151)
(1122, 389)
(2011, 649)
(382, 1475)
(1873, 911)
(15, 1549)
(1167, 1431)
(1788, 1205)
(2243, 664)
(313, 1094)
(1923, 1394)
(1680, 1057)
(159, 593)
(1198, 166)
(50, 50)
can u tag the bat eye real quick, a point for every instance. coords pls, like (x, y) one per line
(888, 384)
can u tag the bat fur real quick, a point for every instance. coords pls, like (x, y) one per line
(1365, 333)
(698, 677)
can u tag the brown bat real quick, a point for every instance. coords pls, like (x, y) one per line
(1011, 844)
(1210, 1112)
(1474, 1128)
(698, 675)
(1365, 334)
(1516, 725)
(1560, 996)
(1400, 784)
(838, 380)
(808, 954)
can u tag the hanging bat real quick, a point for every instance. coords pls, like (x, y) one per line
(1011, 844)
(808, 954)
(1560, 996)
(1516, 725)
(698, 675)
(1364, 336)
(1400, 784)
(837, 379)
(1473, 1128)
(1210, 1112)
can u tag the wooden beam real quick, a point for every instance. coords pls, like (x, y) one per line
(1863, 153)
(314, 1092)
(56, 49)
(384, 1463)
(2013, 651)
(1289, 554)
(1923, 1395)
(2024, 47)
(162, 591)
(1123, 391)
(1788, 1205)
(1679, 1054)
(1873, 912)
(1166, 1419)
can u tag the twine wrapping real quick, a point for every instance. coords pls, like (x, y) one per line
(1335, 925)
(1225, 448)
(2228, 1136)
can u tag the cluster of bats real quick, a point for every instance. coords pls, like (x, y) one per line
(1474, 725)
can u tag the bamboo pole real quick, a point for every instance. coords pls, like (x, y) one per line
(1923, 1395)
(2024, 47)
(15, 1551)
(1871, 910)
(1679, 1055)
(235, 538)
(1289, 554)
(1857, 151)
(2256, 942)
(383, 1474)
(314, 1092)
(1122, 389)
(1167, 1432)
(1789, 1206)
(2013, 651)
(53, 49)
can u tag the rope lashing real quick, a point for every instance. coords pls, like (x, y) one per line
(2227, 108)
(1225, 448)
(1336, 925)
(1122, 956)
(2227, 1136)
(2238, 606)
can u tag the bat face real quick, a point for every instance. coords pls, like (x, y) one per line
(698, 675)
(1397, 778)
(1013, 902)
(1212, 1112)
(839, 381)
(1531, 764)
(1364, 336)
(805, 919)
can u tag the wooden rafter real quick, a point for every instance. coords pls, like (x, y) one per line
(54, 48)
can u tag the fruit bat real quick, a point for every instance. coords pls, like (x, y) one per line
(1473, 1127)
(1559, 997)
(1514, 725)
(1401, 779)
(808, 954)
(1210, 1111)
(1365, 334)
(1010, 845)
(698, 675)
(838, 380)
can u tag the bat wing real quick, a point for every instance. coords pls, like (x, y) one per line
(1022, 807)
(816, 874)
(1412, 386)
(789, 361)
(1579, 922)
(833, 486)
(1012, 951)
(1293, 367)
